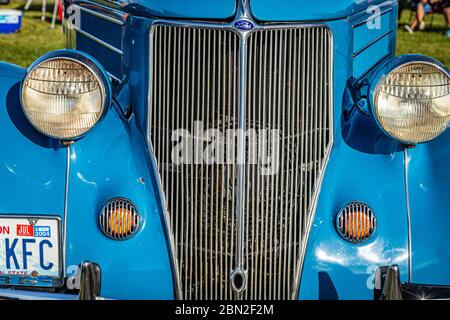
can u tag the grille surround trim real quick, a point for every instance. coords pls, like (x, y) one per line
(243, 36)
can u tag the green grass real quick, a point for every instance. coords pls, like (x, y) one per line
(36, 37)
(431, 41)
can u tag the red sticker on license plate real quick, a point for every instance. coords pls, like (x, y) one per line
(24, 230)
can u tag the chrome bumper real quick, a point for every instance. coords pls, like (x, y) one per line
(90, 285)
(389, 287)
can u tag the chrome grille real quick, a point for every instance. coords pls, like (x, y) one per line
(288, 88)
(195, 77)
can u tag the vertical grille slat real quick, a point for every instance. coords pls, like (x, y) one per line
(196, 86)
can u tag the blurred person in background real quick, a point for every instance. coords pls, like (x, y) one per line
(425, 7)
(444, 8)
(446, 12)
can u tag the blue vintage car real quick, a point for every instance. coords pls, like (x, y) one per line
(225, 150)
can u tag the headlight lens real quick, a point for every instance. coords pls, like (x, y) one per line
(412, 103)
(63, 98)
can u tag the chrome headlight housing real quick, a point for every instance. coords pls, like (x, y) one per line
(65, 94)
(411, 99)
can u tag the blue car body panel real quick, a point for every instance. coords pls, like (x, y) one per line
(429, 185)
(113, 160)
(304, 10)
(262, 10)
(177, 9)
(335, 269)
(364, 166)
(32, 167)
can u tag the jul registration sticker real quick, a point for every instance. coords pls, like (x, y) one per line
(24, 230)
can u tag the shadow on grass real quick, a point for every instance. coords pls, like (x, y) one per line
(432, 29)
(35, 7)
(48, 19)
(428, 30)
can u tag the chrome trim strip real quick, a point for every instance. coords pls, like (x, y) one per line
(230, 26)
(371, 43)
(408, 213)
(115, 13)
(100, 15)
(240, 166)
(66, 206)
(239, 268)
(113, 77)
(371, 17)
(361, 14)
(99, 41)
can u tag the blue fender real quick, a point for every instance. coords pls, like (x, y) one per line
(110, 161)
(336, 269)
(364, 166)
(113, 161)
(32, 166)
(429, 185)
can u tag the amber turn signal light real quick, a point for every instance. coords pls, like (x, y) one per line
(119, 219)
(356, 222)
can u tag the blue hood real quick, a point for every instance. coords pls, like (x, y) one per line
(263, 10)
(301, 10)
(180, 9)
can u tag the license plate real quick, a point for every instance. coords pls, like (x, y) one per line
(30, 251)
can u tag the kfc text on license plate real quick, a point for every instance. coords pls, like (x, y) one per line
(27, 249)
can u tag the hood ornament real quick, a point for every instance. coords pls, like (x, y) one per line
(244, 21)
